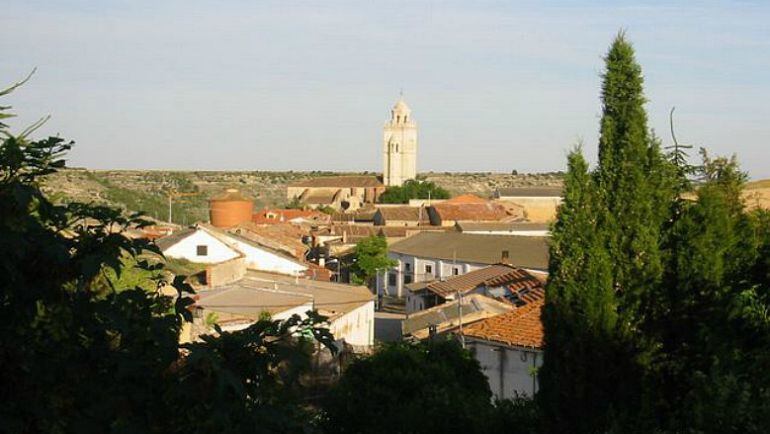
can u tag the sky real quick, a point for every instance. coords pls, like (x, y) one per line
(290, 85)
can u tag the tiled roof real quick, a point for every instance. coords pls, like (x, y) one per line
(404, 213)
(285, 237)
(177, 236)
(523, 251)
(481, 211)
(506, 275)
(521, 328)
(465, 198)
(340, 182)
(501, 226)
(529, 192)
(446, 316)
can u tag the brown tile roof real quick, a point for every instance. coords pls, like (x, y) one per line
(530, 192)
(483, 211)
(465, 198)
(404, 213)
(506, 275)
(340, 182)
(524, 251)
(284, 237)
(521, 328)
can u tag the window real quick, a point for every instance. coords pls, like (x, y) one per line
(407, 279)
(428, 269)
(391, 279)
(202, 250)
(408, 267)
(455, 271)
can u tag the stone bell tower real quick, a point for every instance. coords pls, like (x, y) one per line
(399, 146)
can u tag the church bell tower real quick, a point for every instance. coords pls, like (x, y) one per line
(399, 146)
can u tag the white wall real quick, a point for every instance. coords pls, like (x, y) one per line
(265, 260)
(356, 326)
(509, 370)
(218, 251)
(440, 269)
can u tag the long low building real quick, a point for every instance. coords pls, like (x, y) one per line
(439, 255)
(349, 308)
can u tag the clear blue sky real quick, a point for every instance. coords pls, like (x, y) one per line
(282, 85)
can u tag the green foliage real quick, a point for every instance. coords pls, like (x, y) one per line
(248, 380)
(425, 388)
(88, 345)
(153, 203)
(294, 203)
(656, 316)
(413, 189)
(371, 255)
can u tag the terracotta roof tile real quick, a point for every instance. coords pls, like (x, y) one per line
(465, 198)
(474, 211)
(521, 328)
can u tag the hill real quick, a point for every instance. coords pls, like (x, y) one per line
(757, 193)
(137, 190)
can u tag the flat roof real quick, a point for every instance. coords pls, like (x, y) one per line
(261, 291)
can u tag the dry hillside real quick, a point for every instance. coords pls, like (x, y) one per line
(146, 191)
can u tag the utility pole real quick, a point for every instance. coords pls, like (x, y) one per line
(459, 296)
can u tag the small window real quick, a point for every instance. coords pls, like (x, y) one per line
(202, 250)
(407, 279)
(391, 279)
(428, 269)
(455, 271)
(408, 267)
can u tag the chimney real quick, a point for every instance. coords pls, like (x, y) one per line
(504, 257)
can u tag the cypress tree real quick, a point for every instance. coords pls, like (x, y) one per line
(605, 263)
(580, 313)
(633, 181)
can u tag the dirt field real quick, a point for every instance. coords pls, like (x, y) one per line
(757, 194)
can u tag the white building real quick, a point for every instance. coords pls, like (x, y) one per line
(509, 350)
(349, 308)
(197, 245)
(209, 245)
(440, 255)
(399, 146)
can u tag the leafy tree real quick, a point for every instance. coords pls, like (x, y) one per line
(424, 388)
(371, 256)
(711, 319)
(413, 189)
(80, 352)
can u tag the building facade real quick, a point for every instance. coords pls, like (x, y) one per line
(399, 146)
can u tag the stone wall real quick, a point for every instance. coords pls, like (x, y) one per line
(225, 272)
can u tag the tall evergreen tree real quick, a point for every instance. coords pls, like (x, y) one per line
(605, 263)
(580, 317)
